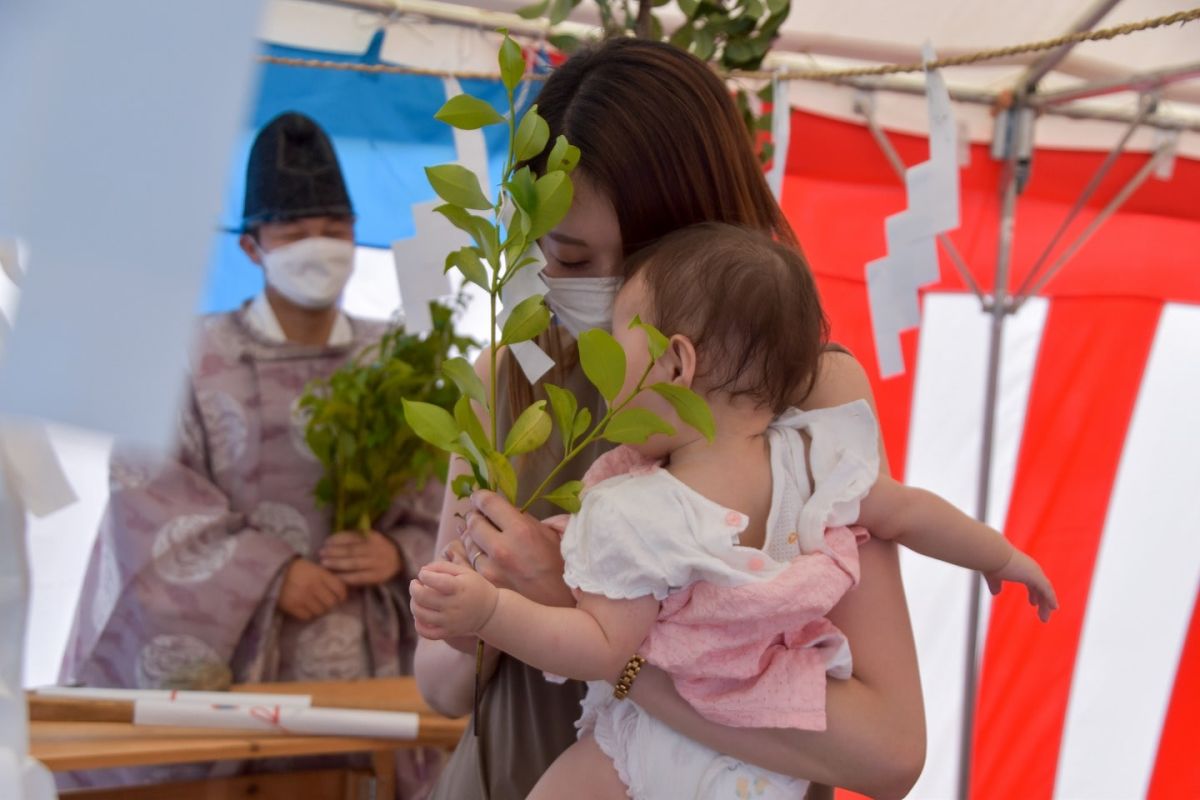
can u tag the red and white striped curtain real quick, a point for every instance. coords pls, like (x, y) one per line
(1096, 471)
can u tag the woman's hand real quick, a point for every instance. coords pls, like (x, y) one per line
(361, 560)
(514, 550)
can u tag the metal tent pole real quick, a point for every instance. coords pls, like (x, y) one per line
(1017, 139)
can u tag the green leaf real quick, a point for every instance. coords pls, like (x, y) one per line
(458, 186)
(565, 42)
(704, 44)
(603, 362)
(503, 476)
(522, 189)
(554, 195)
(463, 485)
(467, 261)
(738, 52)
(634, 426)
(656, 28)
(467, 420)
(688, 7)
(485, 234)
(760, 45)
(468, 113)
(563, 156)
(690, 407)
(463, 220)
(529, 432)
(512, 63)
(353, 482)
(532, 135)
(476, 456)
(564, 405)
(654, 338)
(534, 11)
(529, 318)
(466, 447)
(465, 378)
(777, 6)
(560, 10)
(566, 496)
(432, 423)
(583, 421)
(682, 37)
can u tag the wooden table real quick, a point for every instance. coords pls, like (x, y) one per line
(63, 743)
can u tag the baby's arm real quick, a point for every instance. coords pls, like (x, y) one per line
(927, 524)
(592, 641)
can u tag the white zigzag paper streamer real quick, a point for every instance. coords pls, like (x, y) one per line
(420, 264)
(911, 261)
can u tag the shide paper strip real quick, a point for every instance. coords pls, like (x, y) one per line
(420, 267)
(911, 261)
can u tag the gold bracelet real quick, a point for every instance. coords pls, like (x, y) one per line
(632, 667)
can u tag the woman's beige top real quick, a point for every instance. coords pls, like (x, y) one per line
(525, 721)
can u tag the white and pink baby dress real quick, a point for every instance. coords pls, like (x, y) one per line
(742, 631)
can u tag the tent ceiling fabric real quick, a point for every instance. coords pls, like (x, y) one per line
(829, 35)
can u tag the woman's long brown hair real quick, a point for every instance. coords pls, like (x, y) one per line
(659, 134)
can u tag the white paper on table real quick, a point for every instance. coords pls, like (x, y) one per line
(420, 264)
(894, 281)
(115, 183)
(283, 719)
(176, 696)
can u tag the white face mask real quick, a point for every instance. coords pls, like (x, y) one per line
(580, 304)
(311, 272)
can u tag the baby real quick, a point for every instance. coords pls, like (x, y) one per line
(716, 561)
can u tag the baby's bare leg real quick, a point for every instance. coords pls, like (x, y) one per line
(583, 772)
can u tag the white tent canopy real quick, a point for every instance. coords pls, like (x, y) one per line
(856, 33)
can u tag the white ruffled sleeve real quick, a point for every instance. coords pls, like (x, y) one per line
(844, 460)
(646, 535)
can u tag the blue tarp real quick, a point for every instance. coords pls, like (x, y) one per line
(384, 133)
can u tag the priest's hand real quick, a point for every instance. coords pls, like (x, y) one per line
(309, 591)
(361, 560)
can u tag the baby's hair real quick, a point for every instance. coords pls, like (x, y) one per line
(748, 303)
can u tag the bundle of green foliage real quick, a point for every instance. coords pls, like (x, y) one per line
(357, 428)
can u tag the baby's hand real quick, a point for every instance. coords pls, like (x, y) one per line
(1023, 569)
(450, 600)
